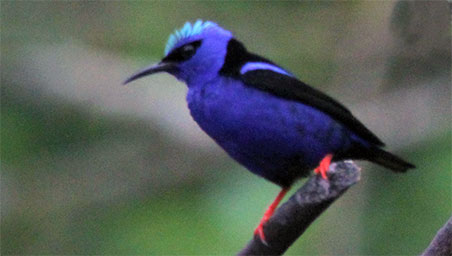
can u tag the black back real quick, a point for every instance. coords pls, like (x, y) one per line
(290, 88)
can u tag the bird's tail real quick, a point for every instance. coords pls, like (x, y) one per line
(388, 160)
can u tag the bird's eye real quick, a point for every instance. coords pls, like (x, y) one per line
(183, 53)
(188, 51)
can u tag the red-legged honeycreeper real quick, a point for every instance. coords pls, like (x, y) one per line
(263, 116)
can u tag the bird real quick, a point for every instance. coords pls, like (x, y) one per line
(262, 115)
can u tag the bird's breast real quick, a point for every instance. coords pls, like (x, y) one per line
(269, 135)
(242, 118)
(235, 114)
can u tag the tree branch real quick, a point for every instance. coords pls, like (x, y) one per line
(295, 216)
(442, 243)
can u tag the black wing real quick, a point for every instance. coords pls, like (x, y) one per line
(291, 88)
(288, 87)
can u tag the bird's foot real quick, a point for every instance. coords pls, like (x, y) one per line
(324, 166)
(259, 231)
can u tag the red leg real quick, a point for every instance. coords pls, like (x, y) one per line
(268, 213)
(324, 166)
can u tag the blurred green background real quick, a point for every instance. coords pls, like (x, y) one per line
(89, 166)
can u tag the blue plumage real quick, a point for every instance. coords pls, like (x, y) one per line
(263, 116)
(277, 139)
(188, 30)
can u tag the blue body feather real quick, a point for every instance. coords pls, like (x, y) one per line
(266, 119)
(268, 135)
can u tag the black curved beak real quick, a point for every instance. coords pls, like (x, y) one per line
(160, 67)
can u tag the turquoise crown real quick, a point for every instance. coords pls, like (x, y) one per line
(186, 31)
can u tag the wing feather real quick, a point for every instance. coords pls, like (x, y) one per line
(288, 87)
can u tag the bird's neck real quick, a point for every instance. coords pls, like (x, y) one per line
(203, 73)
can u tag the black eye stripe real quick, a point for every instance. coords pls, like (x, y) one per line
(183, 52)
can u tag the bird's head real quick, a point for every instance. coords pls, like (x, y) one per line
(196, 51)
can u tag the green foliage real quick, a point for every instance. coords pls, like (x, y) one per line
(76, 180)
(29, 131)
